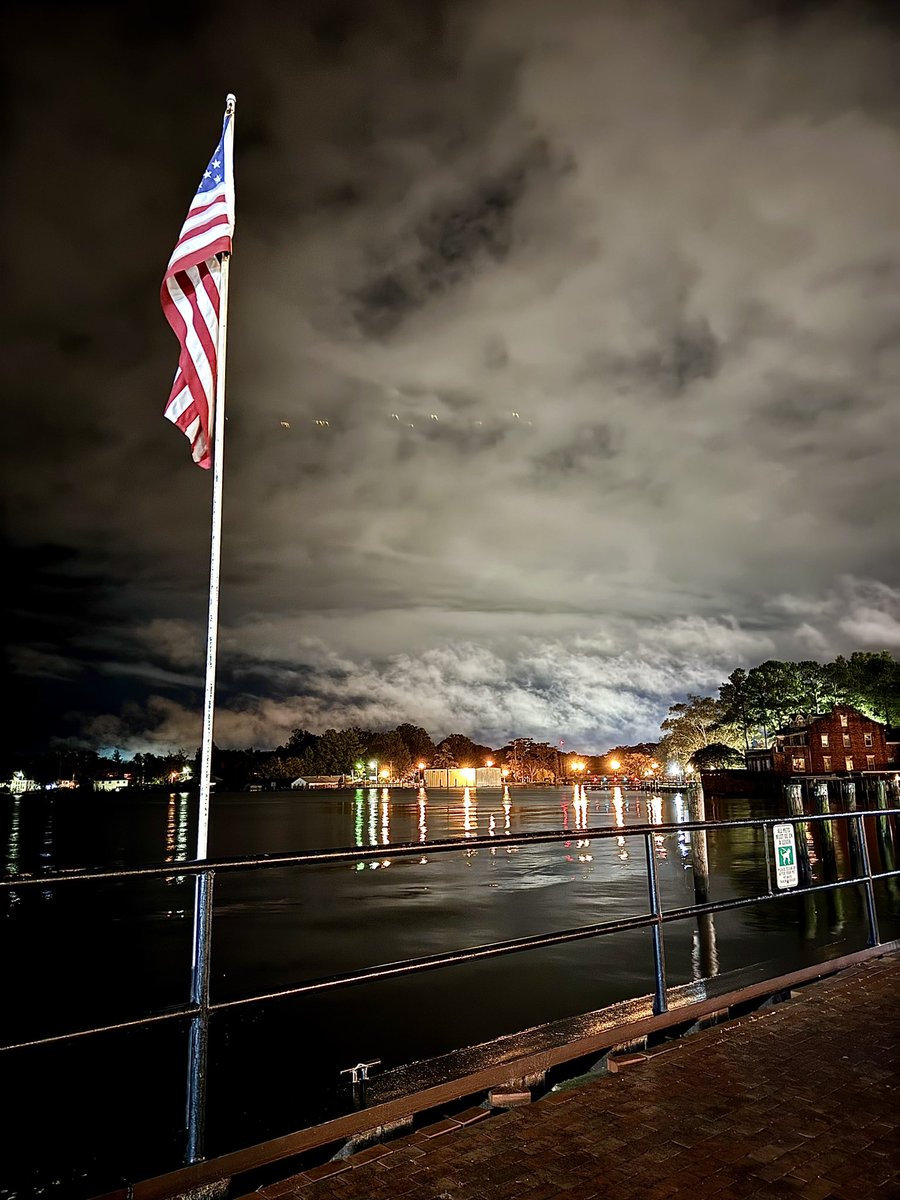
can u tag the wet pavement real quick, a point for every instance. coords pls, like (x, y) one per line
(800, 1099)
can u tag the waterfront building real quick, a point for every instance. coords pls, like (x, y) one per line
(19, 784)
(842, 740)
(463, 777)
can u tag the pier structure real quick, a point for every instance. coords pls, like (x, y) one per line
(797, 1098)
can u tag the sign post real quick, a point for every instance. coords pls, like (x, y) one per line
(786, 874)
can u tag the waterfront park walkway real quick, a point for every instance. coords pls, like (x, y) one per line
(799, 1099)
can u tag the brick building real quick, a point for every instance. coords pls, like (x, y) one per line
(825, 744)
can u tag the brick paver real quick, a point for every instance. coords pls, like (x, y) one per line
(799, 1100)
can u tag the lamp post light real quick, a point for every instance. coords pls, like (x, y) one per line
(373, 767)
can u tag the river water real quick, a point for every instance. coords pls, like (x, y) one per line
(105, 1109)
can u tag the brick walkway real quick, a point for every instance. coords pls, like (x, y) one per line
(797, 1100)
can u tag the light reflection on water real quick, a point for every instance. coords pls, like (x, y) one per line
(178, 813)
(277, 927)
(280, 927)
(285, 822)
(13, 845)
(423, 815)
(385, 816)
(273, 923)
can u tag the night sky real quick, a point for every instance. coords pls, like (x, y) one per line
(600, 302)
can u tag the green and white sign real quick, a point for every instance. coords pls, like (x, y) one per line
(785, 856)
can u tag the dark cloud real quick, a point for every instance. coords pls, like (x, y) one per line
(600, 304)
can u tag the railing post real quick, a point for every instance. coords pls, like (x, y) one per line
(871, 912)
(199, 1036)
(660, 1003)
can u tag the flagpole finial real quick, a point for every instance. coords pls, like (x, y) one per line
(230, 101)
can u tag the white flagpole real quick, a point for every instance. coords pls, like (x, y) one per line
(196, 1096)
(212, 629)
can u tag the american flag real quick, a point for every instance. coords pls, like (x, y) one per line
(191, 296)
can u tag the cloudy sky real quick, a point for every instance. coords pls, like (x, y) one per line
(600, 301)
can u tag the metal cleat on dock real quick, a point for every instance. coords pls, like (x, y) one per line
(360, 1073)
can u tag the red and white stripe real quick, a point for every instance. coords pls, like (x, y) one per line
(191, 299)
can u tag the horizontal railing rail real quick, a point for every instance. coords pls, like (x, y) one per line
(202, 1007)
(432, 962)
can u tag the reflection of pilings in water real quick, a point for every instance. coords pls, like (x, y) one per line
(886, 844)
(704, 952)
(794, 797)
(823, 832)
(704, 955)
(887, 796)
(699, 848)
(848, 796)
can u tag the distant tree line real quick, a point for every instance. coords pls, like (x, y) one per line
(397, 754)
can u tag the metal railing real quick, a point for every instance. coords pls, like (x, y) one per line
(202, 1007)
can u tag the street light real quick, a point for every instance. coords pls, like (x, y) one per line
(373, 767)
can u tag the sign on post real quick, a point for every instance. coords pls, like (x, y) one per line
(785, 856)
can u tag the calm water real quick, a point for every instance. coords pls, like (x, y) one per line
(110, 1108)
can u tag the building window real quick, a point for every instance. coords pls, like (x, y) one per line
(826, 762)
(846, 741)
(798, 764)
(848, 763)
(868, 738)
(844, 720)
(824, 739)
(870, 762)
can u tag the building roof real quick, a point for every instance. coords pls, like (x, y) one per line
(806, 720)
